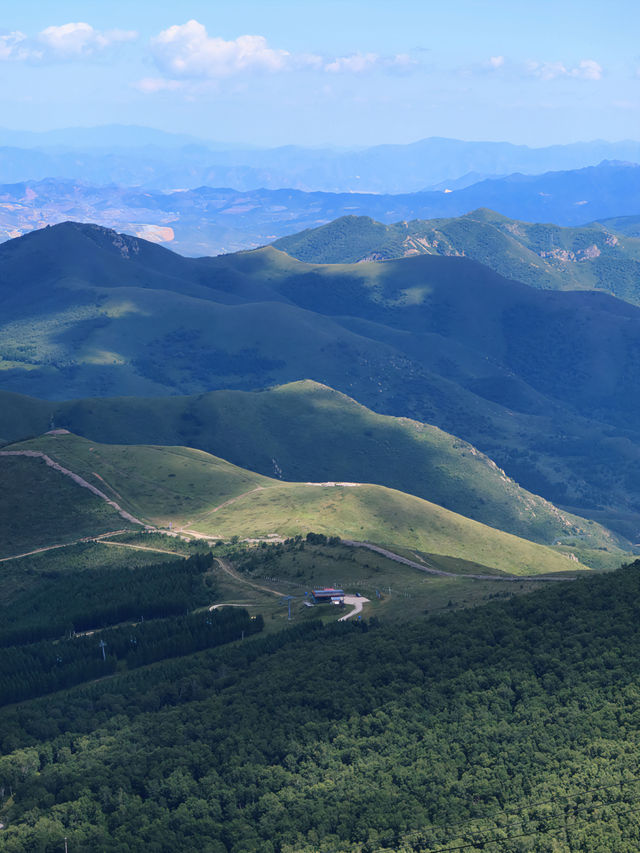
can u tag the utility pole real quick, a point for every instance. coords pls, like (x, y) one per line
(66, 847)
(103, 646)
(288, 599)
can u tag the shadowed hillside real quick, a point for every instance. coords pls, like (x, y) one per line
(537, 379)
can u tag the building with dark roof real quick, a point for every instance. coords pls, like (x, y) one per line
(335, 596)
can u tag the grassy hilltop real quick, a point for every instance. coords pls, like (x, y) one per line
(306, 431)
(204, 495)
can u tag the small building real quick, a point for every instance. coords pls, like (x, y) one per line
(335, 596)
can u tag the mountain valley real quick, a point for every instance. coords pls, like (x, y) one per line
(319, 427)
(430, 420)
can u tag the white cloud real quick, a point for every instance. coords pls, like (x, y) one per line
(80, 39)
(67, 41)
(546, 70)
(586, 69)
(187, 51)
(151, 85)
(357, 63)
(12, 46)
(496, 62)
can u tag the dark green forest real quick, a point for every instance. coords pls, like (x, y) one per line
(511, 727)
(65, 604)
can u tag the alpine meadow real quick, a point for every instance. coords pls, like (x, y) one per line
(319, 427)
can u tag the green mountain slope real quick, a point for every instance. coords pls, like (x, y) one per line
(40, 507)
(537, 379)
(197, 492)
(589, 257)
(306, 431)
(629, 225)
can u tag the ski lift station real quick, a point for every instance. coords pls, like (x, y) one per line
(334, 596)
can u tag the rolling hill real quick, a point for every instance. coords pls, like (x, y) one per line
(201, 494)
(306, 431)
(538, 380)
(590, 257)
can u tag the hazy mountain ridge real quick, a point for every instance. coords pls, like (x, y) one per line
(155, 159)
(209, 220)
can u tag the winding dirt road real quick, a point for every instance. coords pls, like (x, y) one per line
(38, 454)
(430, 570)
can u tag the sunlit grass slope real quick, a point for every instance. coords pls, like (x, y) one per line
(193, 490)
(158, 484)
(307, 431)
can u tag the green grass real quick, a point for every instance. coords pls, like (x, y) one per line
(41, 507)
(380, 515)
(334, 438)
(159, 484)
(405, 593)
(209, 497)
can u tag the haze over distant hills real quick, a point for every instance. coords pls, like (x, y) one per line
(208, 221)
(154, 159)
(537, 379)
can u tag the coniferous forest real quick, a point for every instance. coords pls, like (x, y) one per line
(513, 726)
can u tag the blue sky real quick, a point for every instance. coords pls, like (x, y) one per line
(336, 72)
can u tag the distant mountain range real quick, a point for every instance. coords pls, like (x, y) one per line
(154, 159)
(208, 221)
(539, 380)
